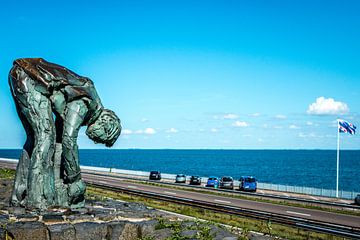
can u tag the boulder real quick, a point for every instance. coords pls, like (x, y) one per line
(61, 231)
(90, 231)
(27, 230)
(115, 229)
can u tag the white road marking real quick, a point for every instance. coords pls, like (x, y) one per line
(130, 186)
(297, 213)
(221, 201)
(172, 193)
(104, 182)
(314, 198)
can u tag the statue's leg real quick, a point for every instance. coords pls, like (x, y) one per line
(22, 170)
(41, 178)
(37, 111)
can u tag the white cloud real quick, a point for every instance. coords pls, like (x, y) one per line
(214, 130)
(310, 135)
(144, 120)
(255, 115)
(149, 131)
(240, 124)
(293, 126)
(280, 116)
(327, 106)
(230, 116)
(126, 132)
(309, 123)
(172, 130)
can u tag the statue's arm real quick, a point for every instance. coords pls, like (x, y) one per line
(74, 116)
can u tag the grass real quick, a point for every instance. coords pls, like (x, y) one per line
(6, 173)
(266, 227)
(257, 199)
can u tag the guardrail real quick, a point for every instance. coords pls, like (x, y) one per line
(308, 190)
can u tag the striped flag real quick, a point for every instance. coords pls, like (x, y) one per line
(346, 127)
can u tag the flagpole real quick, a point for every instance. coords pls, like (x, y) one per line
(337, 160)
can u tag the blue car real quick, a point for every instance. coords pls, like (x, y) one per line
(213, 182)
(247, 183)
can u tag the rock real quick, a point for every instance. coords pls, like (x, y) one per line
(258, 236)
(189, 234)
(16, 210)
(90, 231)
(130, 231)
(3, 219)
(162, 234)
(27, 230)
(115, 229)
(28, 217)
(2, 233)
(147, 227)
(61, 231)
(221, 233)
(50, 218)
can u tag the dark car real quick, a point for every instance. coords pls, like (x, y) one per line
(213, 182)
(357, 199)
(227, 182)
(195, 180)
(180, 178)
(155, 175)
(247, 183)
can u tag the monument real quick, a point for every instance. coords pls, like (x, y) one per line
(53, 103)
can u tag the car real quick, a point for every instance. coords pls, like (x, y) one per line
(195, 180)
(357, 199)
(180, 178)
(248, 183)
(155, 175)
(227, 182)
(213, 182)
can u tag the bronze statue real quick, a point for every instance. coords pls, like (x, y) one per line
(53, 103)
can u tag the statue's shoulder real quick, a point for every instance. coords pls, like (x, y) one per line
(27, 62)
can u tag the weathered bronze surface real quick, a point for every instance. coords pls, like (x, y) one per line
(53, 103)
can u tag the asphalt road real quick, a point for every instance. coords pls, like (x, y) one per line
(317, 215)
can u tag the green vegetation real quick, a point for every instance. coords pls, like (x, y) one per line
(6, 173)
(266, 227)
(257, 199)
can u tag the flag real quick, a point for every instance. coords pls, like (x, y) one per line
(346, 127)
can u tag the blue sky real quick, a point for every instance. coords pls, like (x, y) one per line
(199, 74)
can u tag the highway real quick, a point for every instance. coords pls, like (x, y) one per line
(317, 215)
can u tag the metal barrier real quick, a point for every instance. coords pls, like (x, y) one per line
(308, 190)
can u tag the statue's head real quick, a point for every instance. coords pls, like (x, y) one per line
(106, 129)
